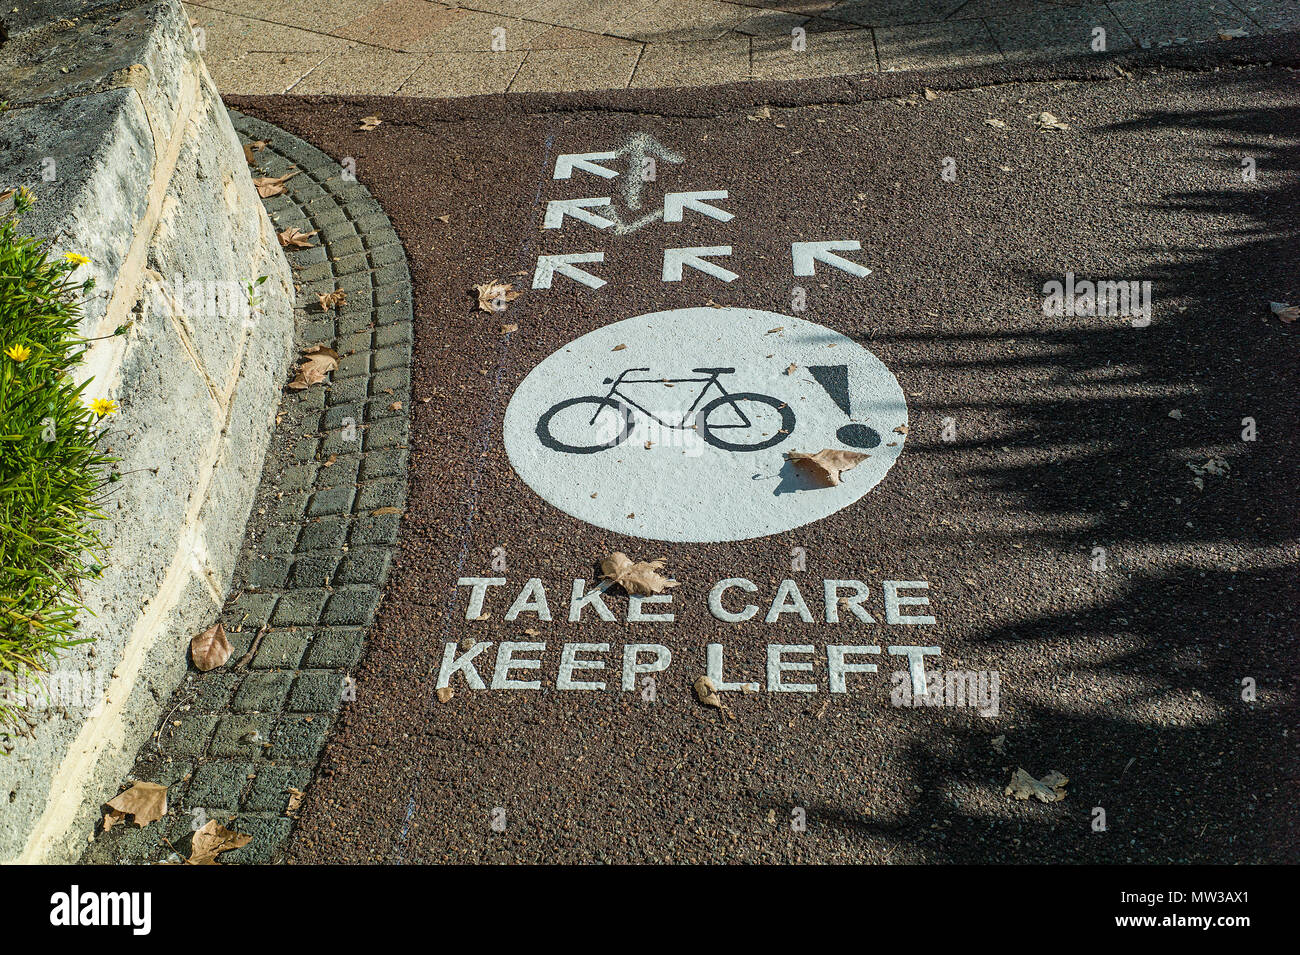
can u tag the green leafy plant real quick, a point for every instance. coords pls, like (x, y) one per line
(51, 467)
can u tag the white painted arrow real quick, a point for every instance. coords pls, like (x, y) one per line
(557, 209)
(565, 164)
(806, 253)
(675, 202)
(675, 259)
(548, 265)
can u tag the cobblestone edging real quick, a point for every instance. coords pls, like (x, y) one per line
(234, 741)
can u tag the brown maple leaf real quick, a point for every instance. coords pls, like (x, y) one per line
(828, 464)
(268, 186)
(296, 237)
(494, 297)
(147, 802)
(320, 361)
(330, 299)
(210, 649)
(636, 577)
(212, 840)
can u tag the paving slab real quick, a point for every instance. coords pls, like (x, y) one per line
(463, 74)
(932, 45)
(692, 64)
(1083, 501)
(1165, 22)
(1059, 32)
(830, 53)
(593, 68)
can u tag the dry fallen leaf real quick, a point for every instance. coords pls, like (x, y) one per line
(320, 362)
(295, 799)
(495, 296)
(618, 348)
(147, 802)
(381, 511)
(707, 693)
(268, 186)
(1287, 313)
(828, 464)
(295, 237)
(1048, 121)
(507, 329)
(636, 577)
(212, 840)
(901, 429)
(996, 123)
(445, 693)
(1051, 788)
(210, 649)
(931, 94)
(331, 299)
(446, 218)
(369, 122)
(792, 369)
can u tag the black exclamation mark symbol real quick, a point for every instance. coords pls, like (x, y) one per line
(835, 379)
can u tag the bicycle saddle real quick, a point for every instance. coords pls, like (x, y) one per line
(713, 371)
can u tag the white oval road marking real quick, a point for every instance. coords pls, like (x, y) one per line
(707, 390)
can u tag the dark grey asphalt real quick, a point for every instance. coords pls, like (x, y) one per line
(1127, 681)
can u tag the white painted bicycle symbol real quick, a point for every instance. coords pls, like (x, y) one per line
(731, 421)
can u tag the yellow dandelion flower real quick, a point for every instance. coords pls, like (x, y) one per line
(103, 406)
(76, 258)
(18, 352)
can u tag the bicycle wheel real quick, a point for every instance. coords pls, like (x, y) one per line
(587, 430)
(770, 421)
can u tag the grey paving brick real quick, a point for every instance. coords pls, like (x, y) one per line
(385, 492)
(384, 463)
(243, 735)
(364, 565)
(319, 691)
(339, 648)
(299, 737)
(325, 534)
(249, 610)
(374, 529)
(270, 789)
(262, 692)
(314, 570)
(280, 649)
(269, 834)
(299, 608)
(188, 739)
(219, 784)
(334, 500)
(350, 605)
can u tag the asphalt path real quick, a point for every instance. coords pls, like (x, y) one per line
(1047, 478)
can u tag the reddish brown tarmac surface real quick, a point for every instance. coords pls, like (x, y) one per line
(1129, 681)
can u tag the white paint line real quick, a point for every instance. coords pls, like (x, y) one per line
(557, 209)
(675, 202)
(566, 163)
(548, 265)
(805, 254)
(676, 259)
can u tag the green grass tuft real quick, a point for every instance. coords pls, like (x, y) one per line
(51, 468)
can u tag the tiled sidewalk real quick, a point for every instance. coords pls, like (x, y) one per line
(427, 48)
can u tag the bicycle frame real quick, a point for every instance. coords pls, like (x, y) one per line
(709, 381)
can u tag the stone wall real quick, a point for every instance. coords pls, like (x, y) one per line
(115, 125)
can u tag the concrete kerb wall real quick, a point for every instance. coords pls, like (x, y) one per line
(116, 127)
